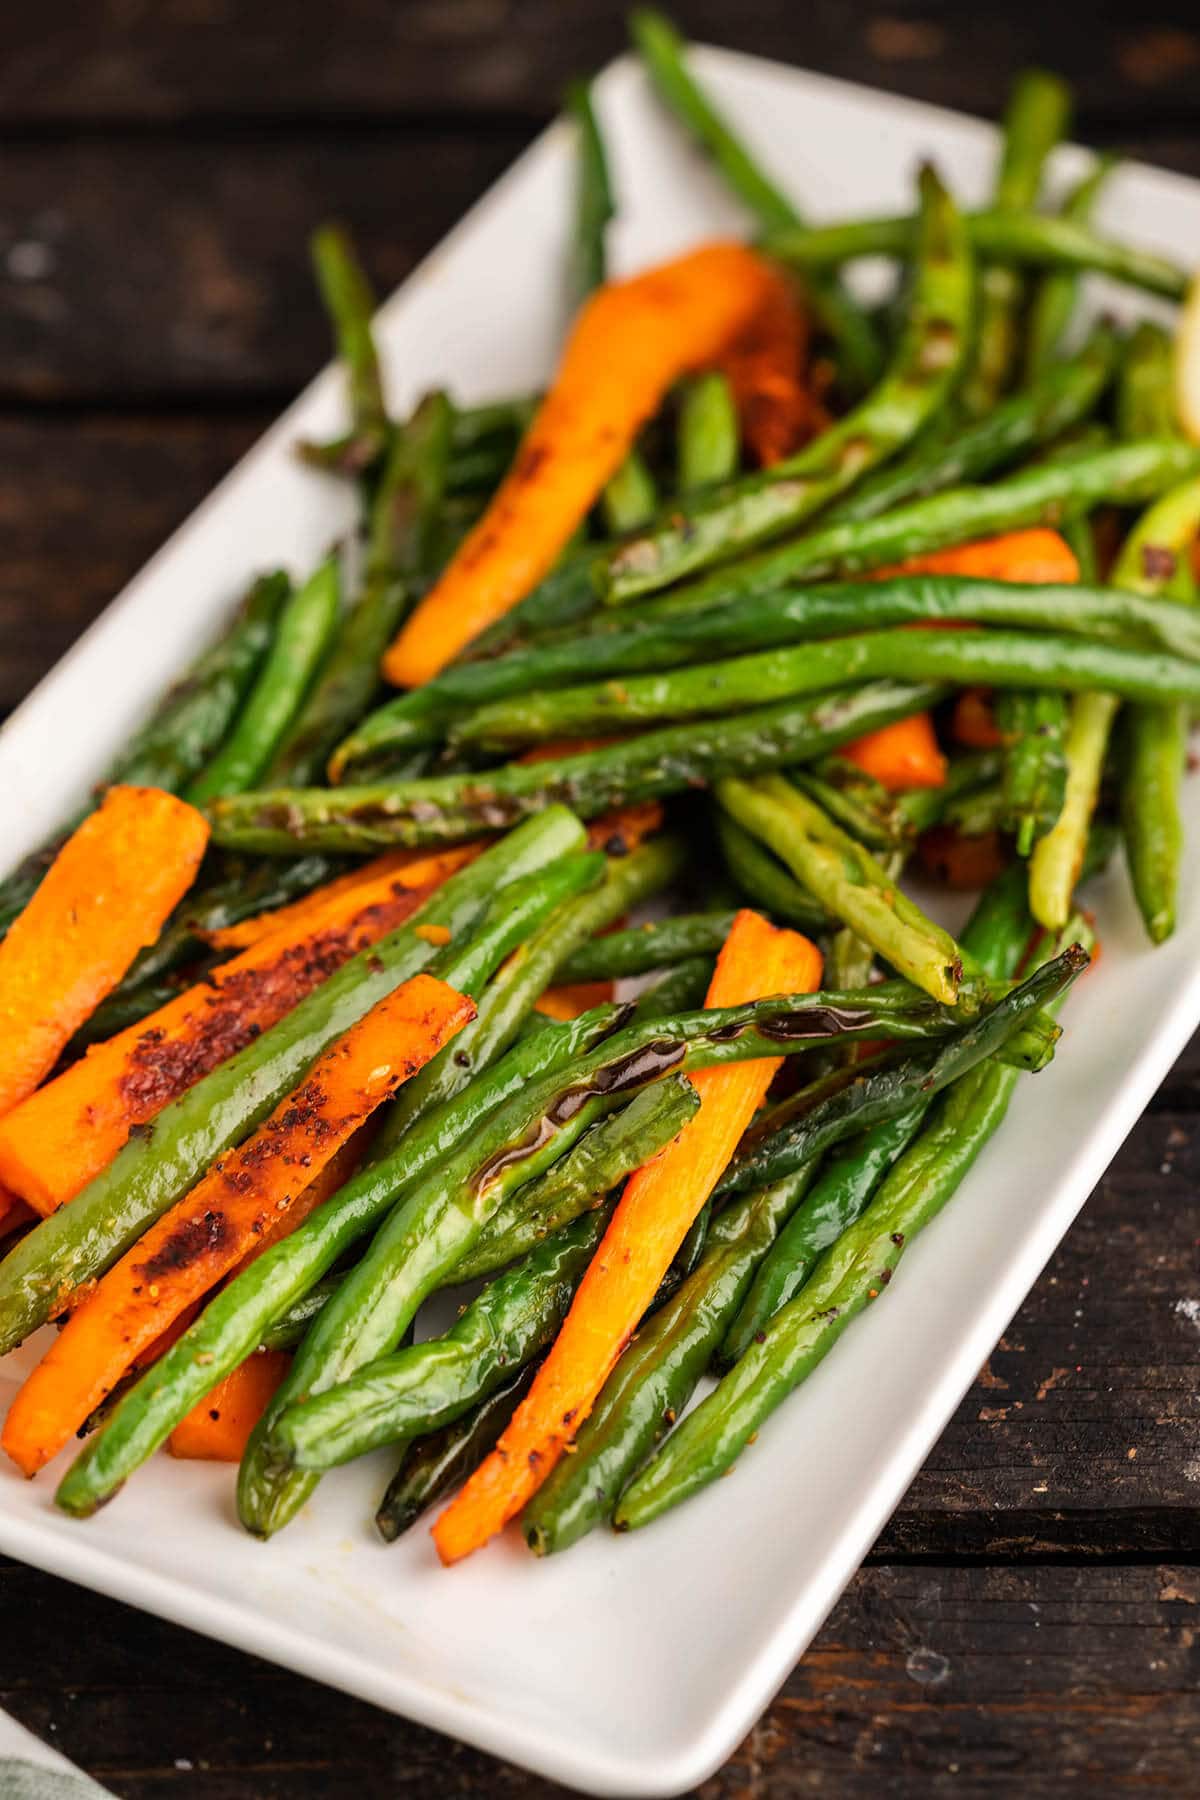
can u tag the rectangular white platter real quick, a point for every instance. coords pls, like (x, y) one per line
(630, 1665)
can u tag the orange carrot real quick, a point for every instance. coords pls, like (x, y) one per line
(974, 722)
(53, 1144)
(901, 756)
(960, 861)
(625, 827)
(630, 343)
(1032, 556)
(1035, 556)
(573, 998)
(219, 1428)
(651, 1220)
(103, 898)
(336, 1173)
(407, 868)
(764, 366)
(13, 1213)
(204, 1235)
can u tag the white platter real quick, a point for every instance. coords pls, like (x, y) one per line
(634, 1665)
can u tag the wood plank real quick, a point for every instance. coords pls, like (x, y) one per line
(85, 501)
(61, 62)
(923, 1682)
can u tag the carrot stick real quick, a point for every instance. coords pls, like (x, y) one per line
(13, 1213)
(207, 1233)
(974, 723)
(574, 997)
(630, 343)
(1037, 556)
(901, 756)
(764, 366)
(56, 1141)
(906, 755)
(104, 897)
(336, 1173)
(219, 1429)
(651, 1220)
(409, 868)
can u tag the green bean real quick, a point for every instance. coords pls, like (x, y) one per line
(963, 658)
(448, 808)
(708, 434)
(658, 1373)
(630, 499)
(678, 990)
(1035, 120)
(1057, 400)
(238, 1319)
(722, 524)
(627, 881)
(1057, 293)
(302, 637)
(432, 1229)
(350, 303)
(428, 1385)
(661, 48)
(608, 1153)
(763, 878)
(794, 1130)
(184, 730)
(403, 517)
(1034, 728)
(848, 882)
(81, 1241)
(1146, 390)
(594, 204)
(646, 947)
(434, 1466)
(1029, 240)
(289, 1328)
(1156, 736)
(624, 644)
(1043, 494)
(858, 803)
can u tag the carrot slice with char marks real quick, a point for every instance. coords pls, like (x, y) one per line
(629, 344)
(651, 1220)
(206, 1234)
(62, 1136)
(103, 898)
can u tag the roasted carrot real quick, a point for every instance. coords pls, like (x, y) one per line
(13, 1213)
(219, 1429)
(625, 827)
(960, 861)
(765, 366)
(1032, 556)
(974, 722)
(104, 897)
(207, 1233)
(651, 1220)
(53, 1144)
(901, 756)
(630, 343)
(1037, 555)
(407, 868)
(337, 1171)
(573, 998)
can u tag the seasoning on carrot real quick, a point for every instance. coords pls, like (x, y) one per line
(207, 1233)
(62, 1136)
(651, 1220)
(104, 897)
(765, 367)
(407, 868)
(219, 1429)
(630, 343)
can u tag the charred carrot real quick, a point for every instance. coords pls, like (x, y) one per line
(630, 343)
(651, 1220)
(405, 868)
(56, 1141)
(219, 1429)
(105, 896)
(765, 366)
(206, 1234)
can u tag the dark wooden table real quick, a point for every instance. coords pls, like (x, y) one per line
(1029, 1616)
